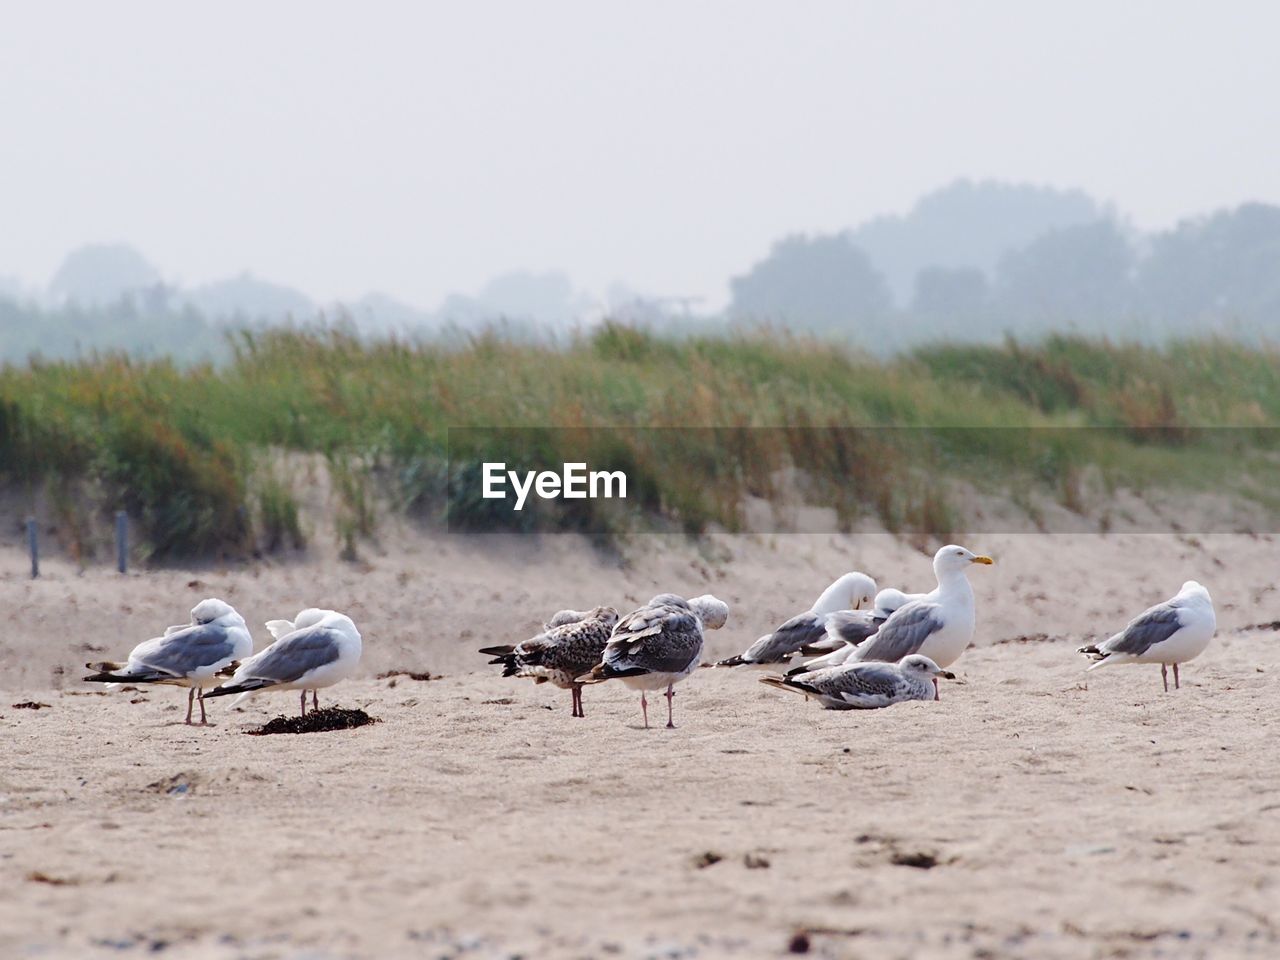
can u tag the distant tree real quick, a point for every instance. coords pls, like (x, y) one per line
(522, 300)
(949, 301)
(1220, 272)
(1078, 277)
(141, 324)
(247, 297)
(378, 314)
(967, 224)
(102, 273)
(822, 284)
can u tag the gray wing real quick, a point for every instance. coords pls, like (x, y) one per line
(288, 659)
(661, 638)
(870, 684)
(902, 634)
(184, 651)
(1146, 630)
(853, 626)
(776, 647)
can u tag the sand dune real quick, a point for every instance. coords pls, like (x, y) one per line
(1033, 812)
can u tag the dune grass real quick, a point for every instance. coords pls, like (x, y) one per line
(188, 451)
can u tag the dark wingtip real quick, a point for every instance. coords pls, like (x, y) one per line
(226, 689)
(731, 662)
(597, 673)
(772, 680)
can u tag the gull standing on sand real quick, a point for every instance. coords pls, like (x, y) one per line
(939, 625)
(1172, 632)
(572, 642)
(316, 649)
(659, 645)
(850, 592)
(866, 686)
(188, 655)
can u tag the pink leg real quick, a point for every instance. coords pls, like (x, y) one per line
(935, 689)
(304, 703)
(671, 724)
(644, 706)
(191, 696)
(315, 700)
(577, 696)
(204, 720)
(1164, 675)
(1177, 685)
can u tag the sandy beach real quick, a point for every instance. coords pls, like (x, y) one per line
(1033, 812)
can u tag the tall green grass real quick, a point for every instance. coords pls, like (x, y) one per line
(189, 452)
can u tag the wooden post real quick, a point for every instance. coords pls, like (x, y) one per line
(122, 541)
(33, 544)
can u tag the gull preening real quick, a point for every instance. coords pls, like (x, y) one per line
(940, 625)
(849, 593)
(316, 649)
(571, 643)
(194, 655)
(1170, 633)
(866, 686)
(658, 645)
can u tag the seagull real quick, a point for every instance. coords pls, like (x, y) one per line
(1172, 632)
(316, 649)
(658, 645)
(851, 591)
(939, 625)
(848, 628)
(192, 655)
(866, 686)
(890, 599)
(569, 646)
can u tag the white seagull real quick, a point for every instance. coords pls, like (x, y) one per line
(850, 592)
(866, 686)
(316, 649)
(659, 645)
(1172, 632)
(939, 625)
(189, 655)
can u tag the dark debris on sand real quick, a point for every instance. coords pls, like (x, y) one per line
(317, 721)
(411, 674)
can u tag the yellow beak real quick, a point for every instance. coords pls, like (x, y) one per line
(987, 560)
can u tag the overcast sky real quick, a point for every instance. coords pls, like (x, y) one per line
(419, 148)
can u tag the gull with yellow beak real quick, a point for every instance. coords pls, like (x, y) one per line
(939, 625)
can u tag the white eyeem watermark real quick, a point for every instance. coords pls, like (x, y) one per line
(573, 482)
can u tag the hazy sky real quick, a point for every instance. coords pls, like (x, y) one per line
(420, 148)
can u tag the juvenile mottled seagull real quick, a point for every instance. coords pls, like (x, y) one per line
(570, 646)
(659, 645)
(850, 592)
(316, 649)
(1172, 632)
(866, 686)
(194, 655)
(939, 625)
